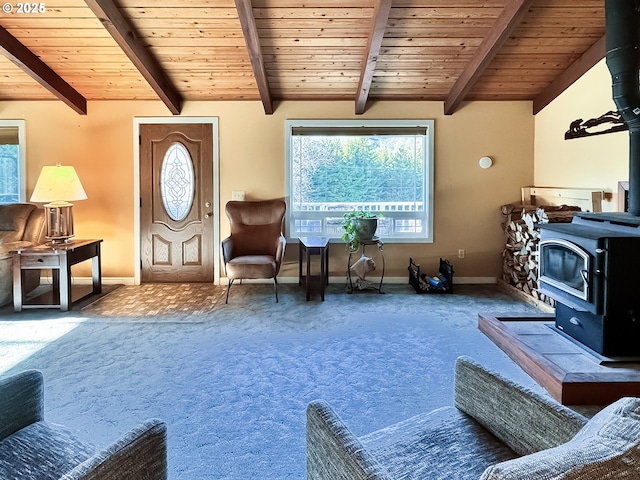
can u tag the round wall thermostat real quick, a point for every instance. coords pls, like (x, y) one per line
(486, 162)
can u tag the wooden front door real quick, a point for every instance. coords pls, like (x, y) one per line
(176, 202)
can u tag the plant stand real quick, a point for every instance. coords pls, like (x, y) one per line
(374, 286)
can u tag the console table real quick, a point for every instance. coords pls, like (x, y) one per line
(313, 246)
(59, 258)
(568, 371)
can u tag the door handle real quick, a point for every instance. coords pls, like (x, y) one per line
(206, 215)
(207, 204)
(585, 276)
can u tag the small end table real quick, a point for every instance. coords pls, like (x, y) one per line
(313, 246)
(59, 258)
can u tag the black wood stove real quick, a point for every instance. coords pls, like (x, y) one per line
(591, 267)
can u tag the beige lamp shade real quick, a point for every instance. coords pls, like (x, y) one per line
(58, 184)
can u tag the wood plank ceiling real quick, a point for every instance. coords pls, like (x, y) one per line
(276, 50)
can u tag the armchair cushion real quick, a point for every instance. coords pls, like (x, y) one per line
(608, 446)
(446, 441)
(43, 450)
(252, 266)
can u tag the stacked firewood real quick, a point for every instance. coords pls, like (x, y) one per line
(520, 255)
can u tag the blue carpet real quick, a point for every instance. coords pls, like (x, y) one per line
(233, 386)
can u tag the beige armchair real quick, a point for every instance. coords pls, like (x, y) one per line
(491, 432)
(33, 448)
(255, 248)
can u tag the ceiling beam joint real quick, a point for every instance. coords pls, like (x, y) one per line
(513, 12)
(378, 26)
(252, 39)
(582, 65)
(41, 72)
(125, 36)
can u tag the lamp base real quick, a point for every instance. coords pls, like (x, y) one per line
(59, 221)
(59, 241)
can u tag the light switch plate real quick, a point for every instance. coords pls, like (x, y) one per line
(237, 195)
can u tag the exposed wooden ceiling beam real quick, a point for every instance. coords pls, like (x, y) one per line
(41, 72)
(578, 68)
(119, 28)
(380, 18)
(510, 17)
(251, 38)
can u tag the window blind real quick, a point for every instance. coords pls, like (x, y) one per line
(357, 131)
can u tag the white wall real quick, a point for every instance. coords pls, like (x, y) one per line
(592, 162)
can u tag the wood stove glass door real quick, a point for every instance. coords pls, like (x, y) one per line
(564, 265)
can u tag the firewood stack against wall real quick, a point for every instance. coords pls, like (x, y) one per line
(522, 234)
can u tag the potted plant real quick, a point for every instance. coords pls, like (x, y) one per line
(358, 226)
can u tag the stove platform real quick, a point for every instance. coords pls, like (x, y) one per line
(572, 374)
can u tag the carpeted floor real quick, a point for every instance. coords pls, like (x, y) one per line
(234, 385)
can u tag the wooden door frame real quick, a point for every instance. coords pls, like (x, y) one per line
(137, 121)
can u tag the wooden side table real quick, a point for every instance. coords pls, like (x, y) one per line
(59, 258)
(313, 246)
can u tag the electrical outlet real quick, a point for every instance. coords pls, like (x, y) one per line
(237, 195)
(461, 253)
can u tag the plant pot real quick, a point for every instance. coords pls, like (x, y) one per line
(367, 228)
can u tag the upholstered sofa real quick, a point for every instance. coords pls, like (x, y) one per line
(33, 448)
(21, 225)
(497, 430)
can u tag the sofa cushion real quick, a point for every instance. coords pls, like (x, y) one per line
(443, 444)
(41, 451)
(607, 447)
(13, 221)
(7, 248)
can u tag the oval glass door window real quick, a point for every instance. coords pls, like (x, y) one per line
(176, 182)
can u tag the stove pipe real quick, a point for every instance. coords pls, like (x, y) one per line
(623, 39)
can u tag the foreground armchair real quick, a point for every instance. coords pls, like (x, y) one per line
(31, 448)
(497, 430)
(255, 248)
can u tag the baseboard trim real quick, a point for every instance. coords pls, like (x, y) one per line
(44, 280)
(388, 280)
(223, 280)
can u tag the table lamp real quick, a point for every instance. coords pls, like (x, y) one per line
(58, 185)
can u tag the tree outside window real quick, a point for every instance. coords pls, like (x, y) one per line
(384, 168)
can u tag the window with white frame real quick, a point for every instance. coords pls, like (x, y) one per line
(381, 166)
(12, 161)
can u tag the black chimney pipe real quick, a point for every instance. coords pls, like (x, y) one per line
(623, 39)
